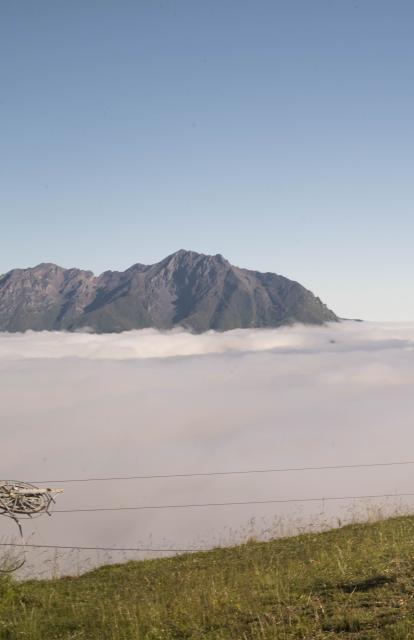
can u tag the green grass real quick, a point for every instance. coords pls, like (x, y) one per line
(356, 582)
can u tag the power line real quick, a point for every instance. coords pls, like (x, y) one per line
(187, 506)
(235, 503)
(182, 506)
(57, 546)
(228, 473)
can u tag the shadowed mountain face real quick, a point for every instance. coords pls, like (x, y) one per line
(187, 289)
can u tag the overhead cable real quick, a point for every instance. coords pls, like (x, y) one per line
(228, 473)
(234, 503)
(58, 546)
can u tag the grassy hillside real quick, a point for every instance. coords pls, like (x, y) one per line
(355, 582)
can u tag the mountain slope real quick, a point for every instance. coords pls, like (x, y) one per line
(188, 289)
(354, 583)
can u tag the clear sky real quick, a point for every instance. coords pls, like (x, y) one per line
(278, 133)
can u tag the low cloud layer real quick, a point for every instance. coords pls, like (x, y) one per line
(144, 402)
(150, 343)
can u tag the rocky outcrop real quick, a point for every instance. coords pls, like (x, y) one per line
(187, 289)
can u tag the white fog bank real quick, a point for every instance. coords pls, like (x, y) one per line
(151, 343)
(84, 405)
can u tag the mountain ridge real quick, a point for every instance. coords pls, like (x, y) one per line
(189, 289)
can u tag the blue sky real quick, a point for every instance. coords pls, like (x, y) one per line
(279, 134)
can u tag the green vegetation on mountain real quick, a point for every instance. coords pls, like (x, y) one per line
(351, 583)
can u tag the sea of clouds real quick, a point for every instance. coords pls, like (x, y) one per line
(145, 402)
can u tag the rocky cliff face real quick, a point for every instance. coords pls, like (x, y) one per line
(187, 289)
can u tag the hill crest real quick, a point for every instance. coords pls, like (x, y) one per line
(193, 290)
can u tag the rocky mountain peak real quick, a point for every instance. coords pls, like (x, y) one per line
(188, 289)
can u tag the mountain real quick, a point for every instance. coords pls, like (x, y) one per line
(187, 289)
